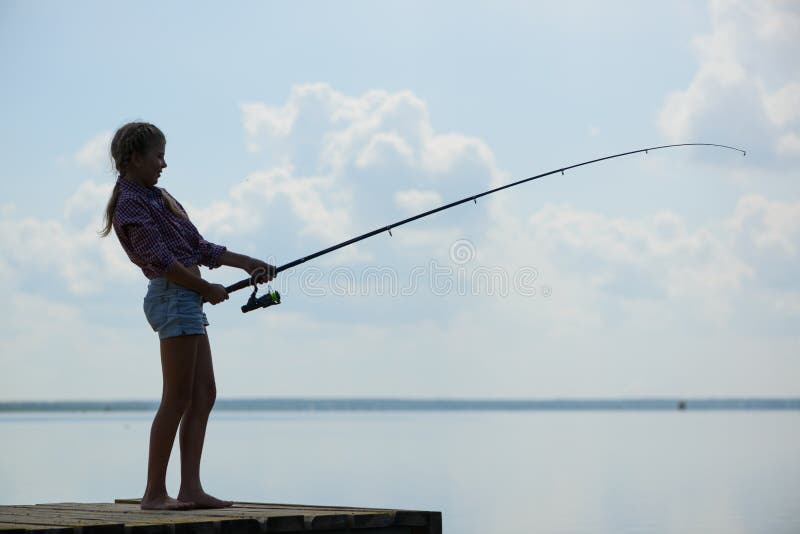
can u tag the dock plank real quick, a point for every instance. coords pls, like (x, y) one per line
(74, 517)
(364, 517)
(236, 509)
(324, 520)
(319, 518)
(125, 517)
(260, 505)
(30, 515)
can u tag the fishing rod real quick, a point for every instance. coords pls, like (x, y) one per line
(273, 297)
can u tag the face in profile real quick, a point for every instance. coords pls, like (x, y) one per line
(149, 164)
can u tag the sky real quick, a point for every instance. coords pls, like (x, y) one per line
(293, 126)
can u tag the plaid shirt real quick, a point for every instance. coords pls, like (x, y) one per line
(153, 237)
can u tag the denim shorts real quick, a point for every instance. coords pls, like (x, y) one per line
(174, 310)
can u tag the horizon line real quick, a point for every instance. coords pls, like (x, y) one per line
(421, 404)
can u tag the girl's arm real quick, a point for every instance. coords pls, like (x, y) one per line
(213, 293)
(248, 264)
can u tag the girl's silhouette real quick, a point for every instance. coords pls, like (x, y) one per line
(156, 233)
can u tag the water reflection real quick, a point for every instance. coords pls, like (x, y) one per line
(517, 472)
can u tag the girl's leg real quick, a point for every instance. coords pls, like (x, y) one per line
(193, 430)
(178, 357)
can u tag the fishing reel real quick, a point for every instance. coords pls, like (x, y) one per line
(270, 298)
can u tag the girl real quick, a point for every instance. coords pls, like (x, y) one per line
(156, 233)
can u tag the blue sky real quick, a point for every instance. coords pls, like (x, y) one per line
(292, 126)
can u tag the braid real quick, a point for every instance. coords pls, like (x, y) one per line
(109, 215)
(173, 205)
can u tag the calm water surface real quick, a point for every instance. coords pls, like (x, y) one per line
(488, 472)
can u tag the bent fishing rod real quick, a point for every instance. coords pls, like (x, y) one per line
(273, 297)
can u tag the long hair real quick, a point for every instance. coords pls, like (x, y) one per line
(129, 139)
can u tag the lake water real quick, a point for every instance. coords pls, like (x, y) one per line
(487, 472)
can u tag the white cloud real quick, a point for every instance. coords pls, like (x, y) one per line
(768, 225)
(88, 202)
(364, 132)
(66, 249)
(396, 123)
(415, 200)
(704, 270)
(442, 152)
(333, 159)
(259, 119)
(747, 86)
(316, 209)
(385, 147)
(94, 154)
(783, 106)
(789, 145)
(50, 250)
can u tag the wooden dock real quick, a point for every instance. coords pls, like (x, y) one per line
(125, 517)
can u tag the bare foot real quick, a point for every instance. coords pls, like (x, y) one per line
(166, 503)
(204, 500)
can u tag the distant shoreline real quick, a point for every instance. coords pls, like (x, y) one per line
(382, 404)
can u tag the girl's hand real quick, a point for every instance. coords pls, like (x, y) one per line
(260, 271)
(215, 293)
